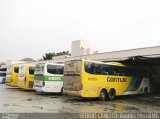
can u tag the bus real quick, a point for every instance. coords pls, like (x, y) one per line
(91, 79)
(48, 77)
(12, 75)
(3, 75)
(26, 76)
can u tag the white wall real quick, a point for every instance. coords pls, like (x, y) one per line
(79, 47)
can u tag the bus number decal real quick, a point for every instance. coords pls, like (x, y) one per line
(54, 78)
(114, 79)
(92, 79)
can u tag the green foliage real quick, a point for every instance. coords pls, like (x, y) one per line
(48, 56)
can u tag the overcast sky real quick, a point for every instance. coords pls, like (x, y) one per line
(30, 28)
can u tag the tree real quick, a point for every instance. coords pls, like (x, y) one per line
(48, 56)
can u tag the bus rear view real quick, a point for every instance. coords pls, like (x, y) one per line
(12, 75)
(26, 76)
(72, 78)
(49, 78)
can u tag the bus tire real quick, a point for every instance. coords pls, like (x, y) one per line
(103, 95)
(111, 94)
(145, 91)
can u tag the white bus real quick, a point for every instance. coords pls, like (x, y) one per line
(48, 77)
(3, 75)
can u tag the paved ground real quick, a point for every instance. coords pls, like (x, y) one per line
(14, 100)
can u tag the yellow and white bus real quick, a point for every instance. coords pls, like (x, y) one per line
(12, 75)
(92, 79)
(26, 76)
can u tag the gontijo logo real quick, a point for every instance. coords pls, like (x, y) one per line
(115, 79)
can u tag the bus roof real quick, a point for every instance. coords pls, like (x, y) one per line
(27, 64)
(109, 63)
(51, 63)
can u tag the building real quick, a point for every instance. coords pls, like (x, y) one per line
(25, 60)
(81, 47)
(28, 60)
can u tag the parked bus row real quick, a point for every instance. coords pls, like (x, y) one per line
(43, 77)
(83, 78)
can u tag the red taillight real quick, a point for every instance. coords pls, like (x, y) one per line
(43, 83)
(25, 79)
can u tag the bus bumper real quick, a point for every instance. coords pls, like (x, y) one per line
(11, 84)
(74, 93)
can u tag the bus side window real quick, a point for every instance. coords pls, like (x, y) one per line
(97, 69)
(49, 69)
(123, 71)
(16, 69)
(89, 67)
(105, 69)
(117, 71)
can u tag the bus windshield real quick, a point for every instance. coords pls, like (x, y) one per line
(72, 68)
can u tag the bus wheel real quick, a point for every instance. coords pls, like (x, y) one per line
(111, 94)
(103, 95)
(145, 91)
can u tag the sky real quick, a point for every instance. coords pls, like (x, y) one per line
(31, 28)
